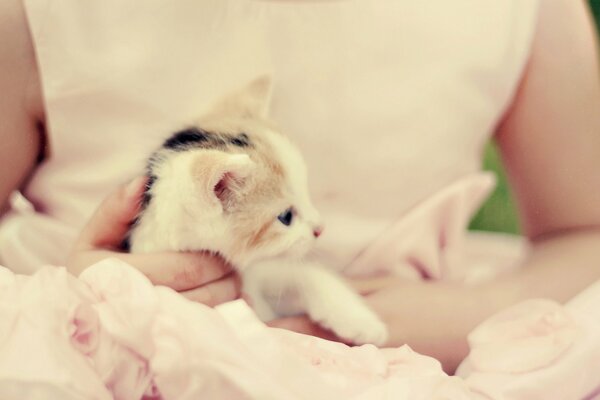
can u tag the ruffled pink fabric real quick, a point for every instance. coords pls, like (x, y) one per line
(111, 334)
(522, 338)
(538, 350)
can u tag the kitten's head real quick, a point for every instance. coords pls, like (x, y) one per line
(235, 185)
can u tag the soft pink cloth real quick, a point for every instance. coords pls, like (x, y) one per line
(538, 350)
(430, 241)
(112, 333)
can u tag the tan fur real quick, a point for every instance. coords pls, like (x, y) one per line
(224, 192)
(260, 235)
(254, 211)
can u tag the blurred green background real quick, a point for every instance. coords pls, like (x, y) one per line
(499, 213)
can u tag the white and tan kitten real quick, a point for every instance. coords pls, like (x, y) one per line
(236, 186)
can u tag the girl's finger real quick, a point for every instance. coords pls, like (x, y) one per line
(110, 223)
(179, 271)
(217, 292)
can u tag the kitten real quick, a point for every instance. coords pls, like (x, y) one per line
(235, 186)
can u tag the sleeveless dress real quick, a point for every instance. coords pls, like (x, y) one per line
(389, 101)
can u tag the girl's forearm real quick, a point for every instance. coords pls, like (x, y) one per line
(435, 318)
(558, 268)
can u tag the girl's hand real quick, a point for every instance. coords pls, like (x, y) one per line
(200, 276)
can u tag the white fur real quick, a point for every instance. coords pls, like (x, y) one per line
(186, 215)
(296, 174)
(179, 217)
(285, 288)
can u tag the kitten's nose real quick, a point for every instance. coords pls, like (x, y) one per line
(317, 231)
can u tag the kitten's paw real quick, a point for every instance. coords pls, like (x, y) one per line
(261, 308)
(265, 314)
(359, 327)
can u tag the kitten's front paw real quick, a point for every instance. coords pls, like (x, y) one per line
(262, 309)
(358, 326)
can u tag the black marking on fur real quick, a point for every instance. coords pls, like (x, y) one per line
(199, 138)
(242, 140)
(126, 244)
(147, 196)
(186, 139)
(191, 137)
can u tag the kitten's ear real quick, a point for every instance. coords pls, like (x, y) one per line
(222, 177)
(250, 102)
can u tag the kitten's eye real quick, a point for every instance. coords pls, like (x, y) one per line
(286, 217)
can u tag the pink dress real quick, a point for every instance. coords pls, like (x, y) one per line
(391, 102)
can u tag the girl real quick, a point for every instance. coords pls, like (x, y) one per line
(414, 89)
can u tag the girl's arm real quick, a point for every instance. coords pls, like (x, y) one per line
(550, 141)
(21, 106)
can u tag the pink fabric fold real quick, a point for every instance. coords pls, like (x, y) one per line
(38, 358)
(523, 338)
(431, 241)
(111, 334)
(538, 350)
